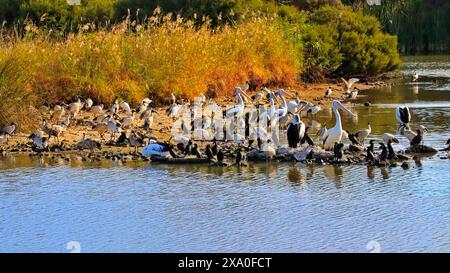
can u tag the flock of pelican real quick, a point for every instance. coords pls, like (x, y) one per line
(120, 119)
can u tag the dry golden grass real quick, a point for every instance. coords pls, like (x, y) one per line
(164, 56)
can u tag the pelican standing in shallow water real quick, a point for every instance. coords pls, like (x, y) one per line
(334, 135)
(403, 116)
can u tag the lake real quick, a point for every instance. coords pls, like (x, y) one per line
(266, 207)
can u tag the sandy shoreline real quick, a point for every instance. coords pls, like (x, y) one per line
(161, 130)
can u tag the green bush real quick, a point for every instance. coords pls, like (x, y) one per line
(343, 41)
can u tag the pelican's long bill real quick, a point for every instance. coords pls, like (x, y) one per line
(343, 108)
(288, 94)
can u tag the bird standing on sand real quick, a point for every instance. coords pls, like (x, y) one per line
(195, 151)
(125, 107)
(328, 92)
(295, 132)
(4, 138)
(239, 157)
(75, 107)
(220, 156)
(115, 106)
(97, 109)
(214, 148)
(9, 130)
(208, 152)
(88, 104)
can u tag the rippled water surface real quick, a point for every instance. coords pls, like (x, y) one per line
(262, 208)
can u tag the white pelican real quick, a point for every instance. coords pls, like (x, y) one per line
(269, 113)
(334, 135)
(348, 84)
(283, 110)
(362, 134)
(238, 109)
(328, 92)
(403, 116)
(415, 76)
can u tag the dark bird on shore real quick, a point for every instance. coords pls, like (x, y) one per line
(195, 151)
(295, 132)
(403, 116)
(122, 139)
(208, 152)
(353, 138)
(384, 152)
(214, 148)
(337, 149)
(259, 142)
(417, 139)
(371, 147)
(306, 138)
(370, 155)
(391, 152)
(220, 156)
(180, 147)
(239, 157)
(188, 148)
(310, 155)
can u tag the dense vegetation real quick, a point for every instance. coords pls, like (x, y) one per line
(137, 48)
(422, 26)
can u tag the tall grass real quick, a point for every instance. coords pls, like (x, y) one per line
(164, 56)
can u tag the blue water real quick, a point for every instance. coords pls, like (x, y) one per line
(261, 208)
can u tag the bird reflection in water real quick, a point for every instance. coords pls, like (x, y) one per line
(295, 175)
(371, 172)
(384, 173)
(334, 172)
